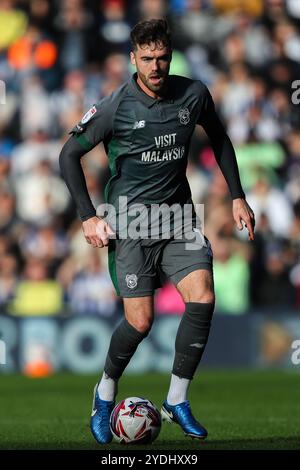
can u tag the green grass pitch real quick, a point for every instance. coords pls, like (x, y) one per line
(241, 410)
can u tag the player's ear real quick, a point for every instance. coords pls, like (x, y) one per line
(132, 58)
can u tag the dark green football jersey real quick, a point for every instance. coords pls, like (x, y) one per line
(147, 140)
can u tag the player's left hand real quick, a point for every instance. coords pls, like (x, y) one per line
(242, 212)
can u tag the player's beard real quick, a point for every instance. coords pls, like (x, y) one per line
(155, 87)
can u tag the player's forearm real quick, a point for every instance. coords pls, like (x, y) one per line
(72, 173)
(225, 156)
(226, 159)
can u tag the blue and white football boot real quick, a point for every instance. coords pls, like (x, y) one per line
(101, 412)
(181, 414)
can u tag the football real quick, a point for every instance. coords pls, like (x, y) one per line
(135, 420)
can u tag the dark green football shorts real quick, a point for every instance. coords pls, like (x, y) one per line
(139, 266)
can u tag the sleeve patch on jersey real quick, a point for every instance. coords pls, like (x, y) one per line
(88, 115)
(81, 126)
(78, 129)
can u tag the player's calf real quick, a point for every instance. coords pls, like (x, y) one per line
(123, 345)
(191, 339)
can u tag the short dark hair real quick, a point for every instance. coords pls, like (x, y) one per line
(156, 31)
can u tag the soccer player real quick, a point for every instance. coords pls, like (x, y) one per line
(146, 126)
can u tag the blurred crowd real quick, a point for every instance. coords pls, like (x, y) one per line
(57, 58)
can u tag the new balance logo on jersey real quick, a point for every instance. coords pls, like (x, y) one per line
(139, 124)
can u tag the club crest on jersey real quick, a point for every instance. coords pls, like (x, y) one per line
(88, 115)
(184, 116)
(131, 280)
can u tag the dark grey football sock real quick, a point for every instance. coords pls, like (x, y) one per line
(191, 339)
(123, 345)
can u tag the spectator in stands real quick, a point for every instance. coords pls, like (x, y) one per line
(8, 279)
(36, 293)
(91, 291)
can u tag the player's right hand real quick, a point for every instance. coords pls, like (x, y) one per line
(97, 232)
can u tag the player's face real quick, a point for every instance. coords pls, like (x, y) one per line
(152, 63)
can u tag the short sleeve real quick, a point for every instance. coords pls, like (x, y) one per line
(96, 125)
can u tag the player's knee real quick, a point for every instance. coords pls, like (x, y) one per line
(142, 324)
(207, 297)
(204, 296)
